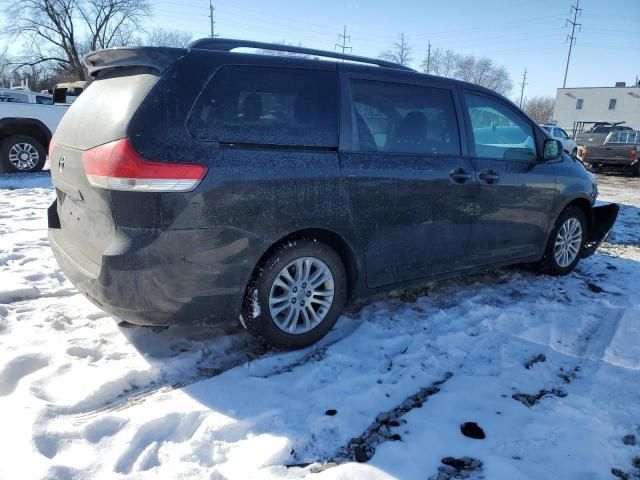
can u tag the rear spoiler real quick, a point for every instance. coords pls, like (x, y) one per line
(158, 58)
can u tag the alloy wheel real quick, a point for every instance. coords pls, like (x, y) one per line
(24, 156)
(568, 242)
(301, 295)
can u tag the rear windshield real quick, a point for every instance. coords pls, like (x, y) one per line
(101, 114)
(624, 137)
(268, 106)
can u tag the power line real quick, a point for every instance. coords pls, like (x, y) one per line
(524, 82)
(344, 38)
(572, 38)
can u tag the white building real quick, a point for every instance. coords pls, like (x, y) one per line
(598, 104)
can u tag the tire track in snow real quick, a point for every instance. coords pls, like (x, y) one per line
(250, 354)
(363, 447)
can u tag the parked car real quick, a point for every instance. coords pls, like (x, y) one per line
(68, 92)
(25, 132)
(598, 133)
(202, 185)
(20, 95)
(568, 144)
(619, 151)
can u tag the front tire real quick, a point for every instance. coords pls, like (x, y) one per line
(298, 295)
(22, 153)
(566, 243)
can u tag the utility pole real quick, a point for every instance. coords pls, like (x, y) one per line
(524, 82)
(343, 39)
(211, 9)
(572, 38)
(429, 56)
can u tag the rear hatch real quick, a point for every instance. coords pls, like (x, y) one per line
(99, 116)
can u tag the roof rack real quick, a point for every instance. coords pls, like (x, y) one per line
(228, 44)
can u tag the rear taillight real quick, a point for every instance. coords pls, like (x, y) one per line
(52, 145)
(117, 166)
(634, 154)
(582, 152)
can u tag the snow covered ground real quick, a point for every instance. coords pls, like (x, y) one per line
(549, 368)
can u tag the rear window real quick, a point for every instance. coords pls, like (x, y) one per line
(268, 106)
(624, 137)
(102, 113)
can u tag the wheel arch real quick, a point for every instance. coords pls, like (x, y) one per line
(26, 126)
(584, 205)
(337, 242)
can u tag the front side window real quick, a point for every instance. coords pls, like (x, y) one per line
(400, 118)
(268, 106)
(579, 103)
(612, 103)
(498, 131)
(561, 133)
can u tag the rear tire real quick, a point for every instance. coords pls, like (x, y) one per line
(636, 169)
(297, 295)
(22, 153)
(566, 243)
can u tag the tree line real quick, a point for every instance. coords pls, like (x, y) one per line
(56, 34)
(469, 68)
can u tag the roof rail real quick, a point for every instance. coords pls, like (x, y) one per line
(228, 44)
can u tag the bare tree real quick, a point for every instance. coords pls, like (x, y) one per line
(481, 71)
(161, 37)
(284, 53)
(61, 31)
(540, 108)
(400, 51)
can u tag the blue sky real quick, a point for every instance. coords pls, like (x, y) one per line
(519, 34)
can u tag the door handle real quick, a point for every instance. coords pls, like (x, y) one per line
(459, 175)
(489, 176)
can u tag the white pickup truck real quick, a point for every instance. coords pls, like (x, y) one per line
(25, 133)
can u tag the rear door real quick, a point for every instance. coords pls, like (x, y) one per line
(99, 116)
(411, 189)
(516, 189)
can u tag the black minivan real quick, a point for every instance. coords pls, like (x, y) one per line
(202, 185)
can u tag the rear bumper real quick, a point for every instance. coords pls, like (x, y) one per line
(611, 162)
(602, 219)
(168, 277)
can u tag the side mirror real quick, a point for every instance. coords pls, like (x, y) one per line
(552, 149)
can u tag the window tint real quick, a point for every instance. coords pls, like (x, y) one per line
(563, 134)
(612, 104)
(579, 103)
(268, 106)
(498, 131)
(402, 118)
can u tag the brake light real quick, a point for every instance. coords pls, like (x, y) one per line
(634, 154)
(117, 166)
(582, 153)
(52, 145)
